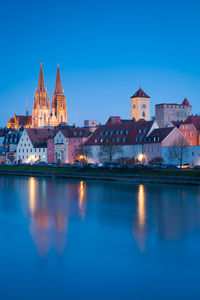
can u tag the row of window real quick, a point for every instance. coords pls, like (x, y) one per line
(27, 150)
(26, 157)
(186, 127)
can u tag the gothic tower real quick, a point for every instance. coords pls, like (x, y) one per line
(58, 105)
(41, 106)
(140, 105)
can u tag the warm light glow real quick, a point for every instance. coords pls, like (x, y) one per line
(82, 157)
(140, 157)
(141, 207)
(82, 190)
(32, 194)
(31, 158)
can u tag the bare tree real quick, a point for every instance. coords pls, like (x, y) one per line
(83, 153)
(109, 150)
(178, 150)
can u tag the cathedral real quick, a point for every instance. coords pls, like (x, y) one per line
(43, 114)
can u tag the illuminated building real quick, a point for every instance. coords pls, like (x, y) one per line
(58, 105)
(140, 106)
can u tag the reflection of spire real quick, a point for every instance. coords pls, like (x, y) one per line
(48, 225)
(139, 228)
(81, 200)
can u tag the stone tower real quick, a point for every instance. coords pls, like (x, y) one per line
(41, 106)
(140, 105)
(58, 105)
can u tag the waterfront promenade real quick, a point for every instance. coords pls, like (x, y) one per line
(189, 177)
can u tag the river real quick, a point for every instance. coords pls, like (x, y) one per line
(70, 239)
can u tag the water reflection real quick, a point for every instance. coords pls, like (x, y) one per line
(139, 222)
(81, 200)
(48, 225)
(141, 207)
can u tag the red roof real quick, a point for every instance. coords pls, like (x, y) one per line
(124, 133)
(39, 136)
(195, 120)
(75, 132)
(140, 94)
(186, 102)
(24, 120)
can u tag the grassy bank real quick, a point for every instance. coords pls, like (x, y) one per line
(121, 172)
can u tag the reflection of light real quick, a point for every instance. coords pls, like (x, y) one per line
(141, 206)
(82, 189)
(32, 194)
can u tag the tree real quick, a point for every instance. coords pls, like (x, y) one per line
(109, 150)
(178, 150)
(82, 154)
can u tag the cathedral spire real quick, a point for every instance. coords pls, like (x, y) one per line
(58, 88)
(41, 86)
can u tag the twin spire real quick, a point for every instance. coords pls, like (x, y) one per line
(41, 86)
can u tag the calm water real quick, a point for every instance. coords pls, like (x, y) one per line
(62, 239)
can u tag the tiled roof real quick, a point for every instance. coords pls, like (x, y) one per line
(24, 120)
(125, 133)
(195, 120)
(158, 135)
(140, 94)
(39, 136)
(75, 132)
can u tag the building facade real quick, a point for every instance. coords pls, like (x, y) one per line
(41, 105)
(58, 105)
(165, 113)
(140, 102)
(32, 146)
(127, 136)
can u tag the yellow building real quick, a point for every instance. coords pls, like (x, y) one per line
(16, 122)
(140, 103)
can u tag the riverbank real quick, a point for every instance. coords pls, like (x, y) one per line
(187, 177)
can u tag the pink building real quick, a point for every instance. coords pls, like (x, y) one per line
(50, 150)
(67, 142)
(161, 137)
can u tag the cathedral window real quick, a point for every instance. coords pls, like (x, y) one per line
(26, 150)
(143, 114)
(43, 150)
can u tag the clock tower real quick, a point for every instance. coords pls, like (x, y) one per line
(140, 105)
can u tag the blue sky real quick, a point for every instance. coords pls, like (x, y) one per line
(106, 49)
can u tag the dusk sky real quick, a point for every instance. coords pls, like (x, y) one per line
(106, 50)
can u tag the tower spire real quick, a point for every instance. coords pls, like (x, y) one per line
(58, 88)
(41, 86)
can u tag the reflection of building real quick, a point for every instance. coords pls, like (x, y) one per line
(140, 226)
(48, 223)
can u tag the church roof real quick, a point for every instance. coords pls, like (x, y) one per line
(58, 88)
(41, 86)
(140, 94)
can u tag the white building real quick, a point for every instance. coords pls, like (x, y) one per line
(128, 135)
(32, 146)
